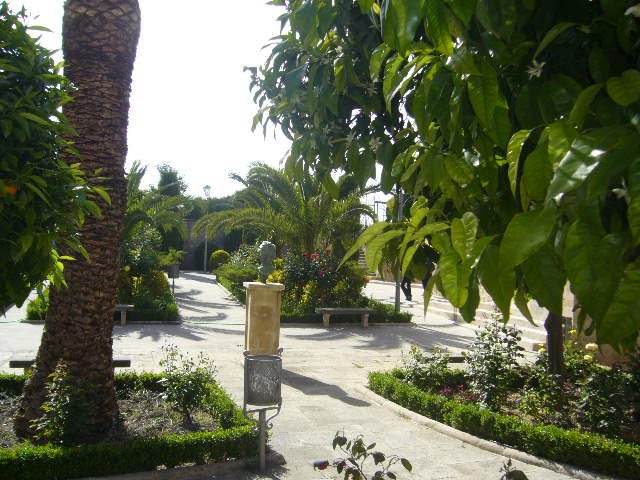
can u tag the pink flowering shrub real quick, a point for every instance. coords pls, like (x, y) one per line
(313, 279)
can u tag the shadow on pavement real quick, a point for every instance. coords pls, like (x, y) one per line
(391, 337)
(199, 277)
(311, 386)
(189, 331)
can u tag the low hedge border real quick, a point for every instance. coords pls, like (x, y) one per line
(584, 450)
(238, 439)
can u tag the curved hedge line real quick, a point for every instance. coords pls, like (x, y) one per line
(238, 439)
(580, 449)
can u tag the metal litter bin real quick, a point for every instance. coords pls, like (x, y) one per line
(262, 380)
(262, 392)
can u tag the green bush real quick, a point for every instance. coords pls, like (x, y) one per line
(584, 450)
(37, 308)
(238, 439)
(150, 294)
(185, 380)
(217, 258)
(492, 359)
(232, 276)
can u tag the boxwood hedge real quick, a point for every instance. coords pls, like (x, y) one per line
(585, 450)
(237, 439)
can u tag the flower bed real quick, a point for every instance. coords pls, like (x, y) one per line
(235, 437)
(581, 449)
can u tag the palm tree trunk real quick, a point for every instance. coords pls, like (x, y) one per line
(99, 45)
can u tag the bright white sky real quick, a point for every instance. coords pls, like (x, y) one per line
(190, 100)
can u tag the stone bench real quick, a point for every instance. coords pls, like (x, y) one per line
(328, 312)
(26, 363)
(123, 309)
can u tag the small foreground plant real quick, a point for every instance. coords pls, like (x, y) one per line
(187, 381)
(510, 473)
(356, 455)
(492, 359)
(426, 370)
(65, 410)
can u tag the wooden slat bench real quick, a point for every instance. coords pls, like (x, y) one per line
(328, 312)
(26, 363)
(123, 309)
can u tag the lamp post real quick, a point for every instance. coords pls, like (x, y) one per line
(207, 194)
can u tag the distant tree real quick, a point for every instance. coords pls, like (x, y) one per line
(170, 183)
(99, 46)
(291, 210)
(43, 199)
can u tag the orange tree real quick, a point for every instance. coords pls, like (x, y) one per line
(513, 123)
(43, 199)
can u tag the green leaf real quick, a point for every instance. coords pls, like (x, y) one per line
(520, 300)
(526, 233)
(391, 77)
(330, 186)
(455, 278)
(373, 254)
(498, 282)
(621, 324)
(406, 464)
(468, 310)
(463, 9)
(536, 175)
(458, 169)
(303, 20)
(428, 292)
(545, 278)
(489, 104)
(583, 102)
(35, 118)
(407, 257)
(103, 194)
(463, 234)
(625, 90)
(552, 34)
(366, 236)
(593, 261)
(514, 148)
(599, 65)
(633, 209)
(436, 26)
(586, 152)
(378, 57)
(399, 21)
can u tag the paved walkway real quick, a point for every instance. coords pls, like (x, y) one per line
(325, 371)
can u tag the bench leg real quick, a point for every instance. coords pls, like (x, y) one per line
(123, 318)
(365, 320)
(325, 319)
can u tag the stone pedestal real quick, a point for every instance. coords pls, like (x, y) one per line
(262, 326)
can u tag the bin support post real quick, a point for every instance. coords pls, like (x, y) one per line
(263, 440)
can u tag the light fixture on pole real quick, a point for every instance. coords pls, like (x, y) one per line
(207, 194)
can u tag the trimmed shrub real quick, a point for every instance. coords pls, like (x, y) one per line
(232, 276)
(217, 258)
(33, 463)
(585, 450)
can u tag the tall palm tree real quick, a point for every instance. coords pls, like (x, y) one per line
(99, 46)
(293, 211)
